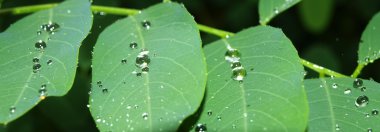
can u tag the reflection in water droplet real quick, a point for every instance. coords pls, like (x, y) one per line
(347, 91)
(42, 92)
(40, 44)
(209, 113)
(334, 85)
(361, 101)
(201, 128)
(358, 83)
(51, 27)
(145, 116)
(133, 45)
(375, 112)
(49, 62)
(146, 24)
(124, 61)
(12, 109)
(239, 73)
(36, 60)
(232, 55)
(36, 67)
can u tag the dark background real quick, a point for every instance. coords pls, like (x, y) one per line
(334, 46)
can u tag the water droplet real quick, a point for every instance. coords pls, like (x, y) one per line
(49, 62)
(12, 109)
(145, 69)
(142, 59)
(36, 67)
(124, 61)
(235, 64)
(337, 127)
(42, 91)
(51, 27)
(276, 11)
(361, 101)
(219, 118)
(138, 74)
(39, 32)
(367, 115)
(201, 128)
(145, 116)
(232, 55)
(99, 82)
(40, 44)
(367, 59)
(36, 60)
(105, 90)
(375, 112)
(369, 130)
(334, 85)
(146, 24)
(209, 113)
(358, 83)
(133, 45)
(363, 89)
(347, 91)
(233, 126)
(239, 73)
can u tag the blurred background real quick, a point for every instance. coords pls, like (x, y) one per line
(325, 32)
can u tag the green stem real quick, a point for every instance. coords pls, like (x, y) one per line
(125, 11)
(357, 70)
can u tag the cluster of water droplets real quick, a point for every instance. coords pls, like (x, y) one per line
(100, 85)
(372, 56)
(200, 128)
(233, 57)
(42, 91)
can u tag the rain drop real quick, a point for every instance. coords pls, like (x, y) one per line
(276, 11)
(358, 83)
(12, 109)
(138, 74)
(40, 44)
(361, 101)
(36, 60)
(104, 90)
(375, 112)
(235, 64)
(334, 85)
(145, 69)
(369, 130)
(209, 113)
(200, 128)
(232, 55)
(363, 89)
(51, 27)
(239, 73)
(42, 91)
(36, 67)
(233, 126)
(133, 45)
(39, 32)
(145, 116)
(146, 24)
(142, 59)
(99, 82)
(124, 61)
(49, 62)
(219, 118)
(347, 91)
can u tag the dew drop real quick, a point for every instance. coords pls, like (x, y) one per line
(145, 116)
(337, 127)
(200, 128)
(375, 112)
(36, 60)
(347, 91)
(138, 74)
(51, 27)
(40, 44)
(334, 85)
(42, 91)
(219, 118)
(99, 82)
(235, 64)
(36, 67)
(146, 24)
(369, 130)
(358, 83)
(233, 126)
(39, 32)
(276, 11)
(133, 45)
(363, 89)
(209, 113)
(124, 61)
(105, 90)
(12, 109)
(367, 115)
(361, 101)
(232, 55)
(142, 59)
(49, 62)
(239, 73)
(145, 69)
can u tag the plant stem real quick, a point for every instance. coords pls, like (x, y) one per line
(357, 70)
(126, 11)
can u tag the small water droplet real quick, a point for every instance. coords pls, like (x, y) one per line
(334, 85)
(138, 74)
(146, 24)
(361, 101)
(12, 109)
(239, 73)
(233, 126)
(36, 67)
(337, 127)
(367, 115)
(42, 91)
(99, 82)
(51, 27)
(133, 45)
(209, 113)
(367, 59)
(36, 60)
(49, 62)
(235, 64)
(369, 130)
(201, 128)
(124, 61)
(145, 116)
(232, 55)
(219, 118)
(363, 89)
(358, 83)
(145, 69)
(39, 32)
(347, 91)
(375, 112)
(276, 11)
(105, 90)
(40, 44)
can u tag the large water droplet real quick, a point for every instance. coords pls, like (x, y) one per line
(146, 24)
(42, 91)
(239, 73)
(12, 109)
(51, 27)
(145, 116)
(232, 55)
(375, 112)
(361, 101)
(142, 59)
(36, 60)
(40, 44)
(36, 67)
(133, 45)
(358, 83)
(200, 128)
(347, 91)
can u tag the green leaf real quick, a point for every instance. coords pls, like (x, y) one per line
(333, 105)
(270, 97)
(316, 14)
(268, 9)
(369, 47)
(24, 81)
(124, 97)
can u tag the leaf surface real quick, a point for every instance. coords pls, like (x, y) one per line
(316, 14)
(369, 47)
(39, 59)
(268, 9)
(269, 98)
(333, 105)
(124, 97)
